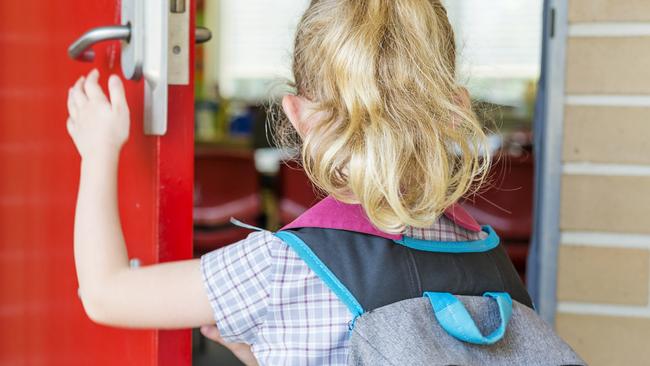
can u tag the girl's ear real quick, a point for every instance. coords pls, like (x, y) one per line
(292, 106)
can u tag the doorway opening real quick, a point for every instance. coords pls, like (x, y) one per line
(239, 173)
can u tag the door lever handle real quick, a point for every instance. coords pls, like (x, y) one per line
(202, 35)
(79, 49)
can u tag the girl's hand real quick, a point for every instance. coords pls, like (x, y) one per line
(240, 350)
(98, 127)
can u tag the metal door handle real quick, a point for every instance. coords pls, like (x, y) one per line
(79, 49)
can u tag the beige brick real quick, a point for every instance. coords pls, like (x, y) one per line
(609, 10)
(605, 203)
(607, 134)
(607, 340)
(617, 65)
(603, 275)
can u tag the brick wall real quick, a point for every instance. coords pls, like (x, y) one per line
(604, 255)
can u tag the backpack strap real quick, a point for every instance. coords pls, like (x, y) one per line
(322, 271)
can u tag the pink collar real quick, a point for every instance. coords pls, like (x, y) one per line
(332, 214)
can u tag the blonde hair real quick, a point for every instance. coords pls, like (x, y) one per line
(394, 135)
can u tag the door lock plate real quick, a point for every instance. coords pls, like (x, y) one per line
(166, 57)
(179, 43)
(156, 45)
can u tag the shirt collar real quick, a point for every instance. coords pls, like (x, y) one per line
(333, 214)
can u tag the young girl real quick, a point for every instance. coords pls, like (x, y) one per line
(384, 129)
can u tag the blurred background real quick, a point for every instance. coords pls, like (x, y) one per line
(562, 86)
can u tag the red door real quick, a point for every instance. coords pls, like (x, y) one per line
(41, 318)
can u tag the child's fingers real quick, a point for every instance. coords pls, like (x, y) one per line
(77, 93)
(78, 87)
(72, 107)
(92, 88)
(211, 332)
(70, 126)
(79, 83)
(116, 92)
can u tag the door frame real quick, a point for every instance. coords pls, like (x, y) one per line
(548, 171)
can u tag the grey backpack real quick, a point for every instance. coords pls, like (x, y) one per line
(418, 302)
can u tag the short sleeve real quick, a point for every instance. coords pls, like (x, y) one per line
(236, 278)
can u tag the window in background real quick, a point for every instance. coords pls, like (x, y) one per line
(499, 46)
(256, 41)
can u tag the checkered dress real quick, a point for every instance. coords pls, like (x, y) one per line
(263, 294)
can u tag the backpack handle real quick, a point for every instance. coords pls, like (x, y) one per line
(455, 320)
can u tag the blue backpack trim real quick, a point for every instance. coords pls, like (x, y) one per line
(321, 270)
(457, 322)
(474, 246)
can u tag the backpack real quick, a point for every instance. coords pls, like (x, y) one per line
(419, 302)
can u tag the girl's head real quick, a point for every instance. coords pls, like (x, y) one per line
(382, 120)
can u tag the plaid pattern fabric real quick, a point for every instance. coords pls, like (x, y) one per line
(263, 294)
(444, 230)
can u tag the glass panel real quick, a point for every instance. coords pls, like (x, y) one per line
(499, 50)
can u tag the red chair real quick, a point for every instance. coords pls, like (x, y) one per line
(297, 194)
(506, 203)
(226, 184)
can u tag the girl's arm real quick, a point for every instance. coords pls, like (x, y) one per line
(169, 295)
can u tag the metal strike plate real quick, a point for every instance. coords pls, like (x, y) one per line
(155, 66)
(166, 58)
(179, 43)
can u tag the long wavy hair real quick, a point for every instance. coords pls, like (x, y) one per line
(393, 134)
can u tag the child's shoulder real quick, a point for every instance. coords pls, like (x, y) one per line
(263, 242)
